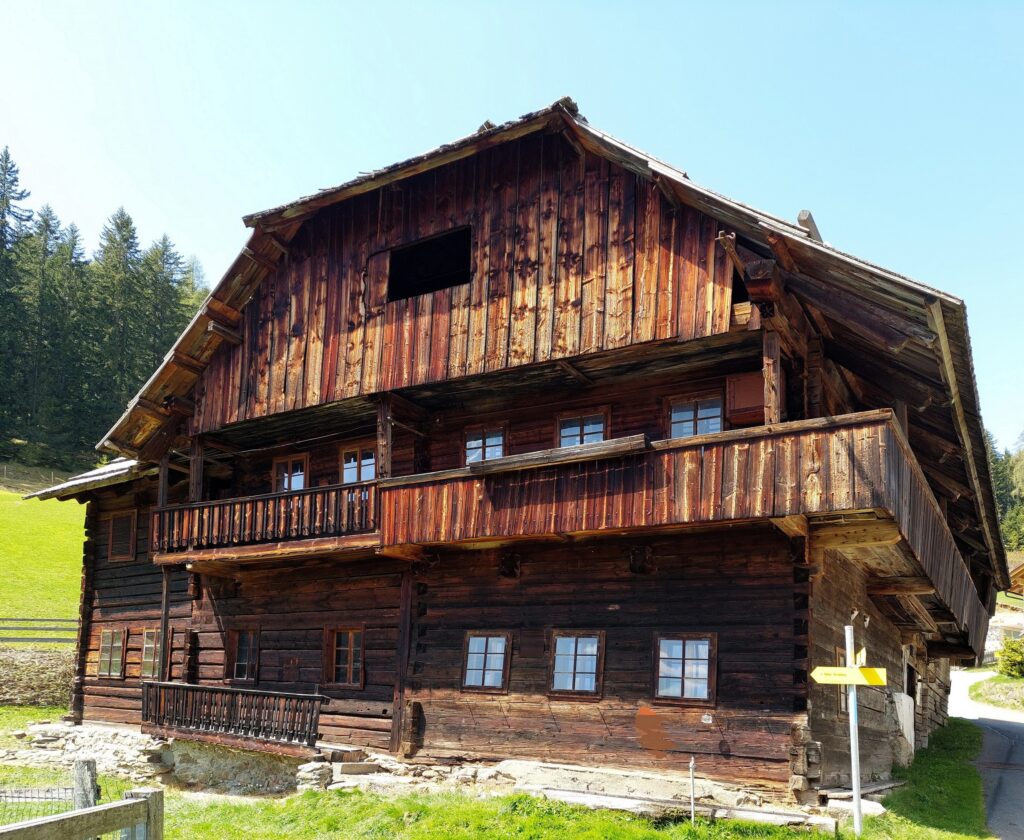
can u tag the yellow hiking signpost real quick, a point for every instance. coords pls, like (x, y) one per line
(839, 675)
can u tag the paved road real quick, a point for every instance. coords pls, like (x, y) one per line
(1001, 762)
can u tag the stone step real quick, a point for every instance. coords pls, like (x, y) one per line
(353, 768)
(342, 754)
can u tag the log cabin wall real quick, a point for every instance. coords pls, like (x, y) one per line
(736, 583)
(570, 255)
(292, 608)
(125, 595)
(836, 592)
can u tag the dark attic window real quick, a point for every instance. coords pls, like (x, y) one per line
(430, 264)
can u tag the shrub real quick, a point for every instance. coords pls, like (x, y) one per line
(1011, 658)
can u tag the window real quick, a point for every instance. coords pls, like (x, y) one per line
(243, 655)
(121, 537)
(344, 648)
(487, 661)
(689, 417)
(843, 697)
(111, 662)
(358, 465)
(150, 654)
(430, 264)
(685, 666)
(911, 684)
(573, 431)
(291, 472)
(578, 662)
(485, 444)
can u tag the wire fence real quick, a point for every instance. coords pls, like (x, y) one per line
(27, 794)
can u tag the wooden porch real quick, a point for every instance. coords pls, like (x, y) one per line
(849, 483)
(234, 717)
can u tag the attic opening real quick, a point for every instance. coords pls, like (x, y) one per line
(430, 264)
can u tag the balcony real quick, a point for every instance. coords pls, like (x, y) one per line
(859, 465)
(312, 521)
(286, 723)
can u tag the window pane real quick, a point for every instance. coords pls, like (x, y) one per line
(474, 440)
(696, 689)
(565, 644)
(671, 668)
(475, 678)
(563, 664)
(586, 664)
(586, 682)
(350, 468)
(587, 645)
(477, 644)
(496, 660)
(496, 451)
(496, 644)
(475, 661)
(495, 437)
(593, 428)
(562, 682)
(669, 687)
(474, 455)
(709, 425)
(671, 648)
(298, 477)
(697, 668)
(697, 649)
(709, 408)
(492, 679)
(369, 466)
(569, 432)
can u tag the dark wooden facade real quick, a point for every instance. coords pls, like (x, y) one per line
(598, 286)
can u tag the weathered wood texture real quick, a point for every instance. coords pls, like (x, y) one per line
(741, 588)
(857, 462)
(125, 596)
(292, 608)
(570, 255)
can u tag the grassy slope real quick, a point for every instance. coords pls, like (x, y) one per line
(40, 557)
(1000, 691)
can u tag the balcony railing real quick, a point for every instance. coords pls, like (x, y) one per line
(334, 511)
(231, 715)
(858, 462)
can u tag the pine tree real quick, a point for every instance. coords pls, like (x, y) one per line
(163, 271)
(13, 217)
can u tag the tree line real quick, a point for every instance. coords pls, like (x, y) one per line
(79, 335)
(1008, 481)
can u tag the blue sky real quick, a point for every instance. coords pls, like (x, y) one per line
(899, 126)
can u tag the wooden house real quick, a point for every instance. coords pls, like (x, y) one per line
(530, 446)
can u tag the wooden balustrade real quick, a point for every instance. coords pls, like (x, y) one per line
(231, 715)
(333, 511)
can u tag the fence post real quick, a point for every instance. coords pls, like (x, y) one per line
(85, 783)
(154, 811)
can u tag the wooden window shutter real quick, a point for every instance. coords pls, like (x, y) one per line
(121, 543)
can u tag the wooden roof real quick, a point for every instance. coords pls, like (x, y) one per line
(881, 326)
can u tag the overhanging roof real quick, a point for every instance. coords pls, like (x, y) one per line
(935, 353)
(117, 471)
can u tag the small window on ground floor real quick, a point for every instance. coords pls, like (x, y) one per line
(487, 661)
(686, 667)
(150, 654)
(243, 655)
(121, 537)
(111, 661)
(345, 656)
(577, 662)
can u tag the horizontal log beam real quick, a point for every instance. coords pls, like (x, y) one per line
(859, 534)
(901, 586)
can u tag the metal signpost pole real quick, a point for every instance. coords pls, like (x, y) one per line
(851, 659)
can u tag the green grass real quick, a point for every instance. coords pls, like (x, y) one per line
(1007, 692)
(21, 478)
(15, 718)
(40, 557)
(943, 798)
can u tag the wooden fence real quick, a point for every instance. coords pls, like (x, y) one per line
(139, 817)
(60, 631)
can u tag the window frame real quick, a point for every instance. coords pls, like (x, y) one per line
(357, 446)
(693, 397)
(689, 635)
(391, 294)
(330, 651)
(289, 460)
(157, 660)
(598, 692)
(506, 664)
(603, 410)
(132, 536)
(124, 653)
(484, 428)
(231, 656)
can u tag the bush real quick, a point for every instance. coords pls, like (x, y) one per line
(1011, 658)
(36, 677)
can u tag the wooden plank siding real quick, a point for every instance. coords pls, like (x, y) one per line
(570, 255)
(851, 463)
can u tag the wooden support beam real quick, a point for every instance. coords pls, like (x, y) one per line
(574, 372)
(728, 243)
(278, 243)
(384, 435)
(182, 360)
(806, 221)
(195, 470)
(771, 365)
(920, 612)
(161, 440)
(260, 260)
(147, 406)
(901, 586)
(792, 526)
(780, 249)
(181, 406)
(856, 534)
(814, 378)
(950, 486)
(402, 646)
(226, 333)
(947, 650)
(161, 481)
